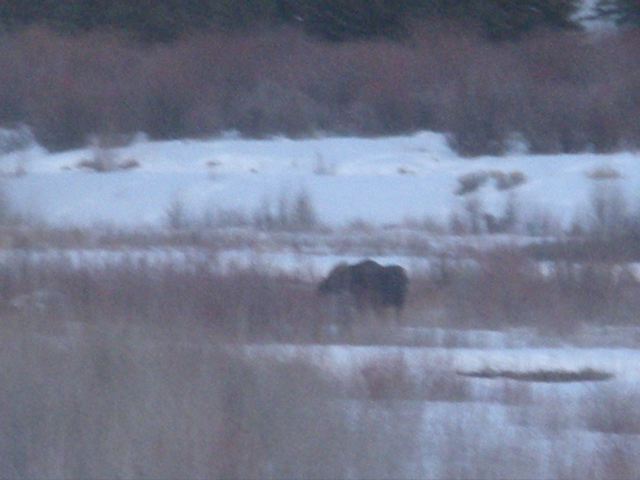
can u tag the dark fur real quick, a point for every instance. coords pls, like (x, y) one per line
(369, 284)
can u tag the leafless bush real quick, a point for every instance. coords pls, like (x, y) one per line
(507, 181)
(9, 214)
(603, 173)
(511, 392)
(557, 91)
(474, 211)
(471, 218)
(238, 302)
(104, 157)
(540, 222)
(290, 214)
(470, 182)
(389, 378)
(225, 218)
(321, 167)
(607, 231)
(609, 211)
(500, 289)
(612, 410)
(177, 216)
(507, 287)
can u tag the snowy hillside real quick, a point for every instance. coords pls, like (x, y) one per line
(378, 180)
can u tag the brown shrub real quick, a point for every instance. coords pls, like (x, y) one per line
(612, 410)
(390, 378)
(507, 181)
(102, 165)
(558, 91)
(247, 303)
(603, 173)
(470, 182)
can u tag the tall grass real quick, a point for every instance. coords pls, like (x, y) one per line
(146, 401)
(115, 399)
(145, 370)
(236, 302)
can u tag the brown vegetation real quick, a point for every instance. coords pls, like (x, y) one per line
(137, 368)
(544, 376)
(558, 91)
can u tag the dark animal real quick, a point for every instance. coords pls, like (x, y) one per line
(368, 284)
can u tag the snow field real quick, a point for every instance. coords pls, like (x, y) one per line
(377, 180)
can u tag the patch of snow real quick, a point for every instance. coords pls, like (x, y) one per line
(378, 180)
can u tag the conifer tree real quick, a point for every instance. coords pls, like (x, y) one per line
(623, 12)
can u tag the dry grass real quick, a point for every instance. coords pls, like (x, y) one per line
(603, 173)
(112, 398)
(181, 272)
(141, 371)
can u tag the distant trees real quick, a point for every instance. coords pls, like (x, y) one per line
(349, 19)
(336, 20)
(500, 19)
(623, 12)
(149, 20)
(508, 19)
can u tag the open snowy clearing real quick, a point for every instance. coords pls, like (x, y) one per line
(378, 180)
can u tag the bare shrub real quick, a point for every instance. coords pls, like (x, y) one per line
(9, 216)
(514, 393)
(388, 378)
(607, 231)
(104, 156)
(225, 218)
(470, 182)
(612, 410)
(505, 287)
(540, 222)
(176, 215)
(238, 302)
(290, 214)
(609, 213)
(469, 219)
(618, 460)
(555, 90)
(272, 109)
(603, 173)
(321, 167)
(507, 181)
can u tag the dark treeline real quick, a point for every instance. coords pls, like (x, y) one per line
(162, 20)
(337, 20)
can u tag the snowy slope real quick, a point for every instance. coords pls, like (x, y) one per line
(381, 180)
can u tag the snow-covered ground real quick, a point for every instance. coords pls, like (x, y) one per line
(378, 180)
(381, 181)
